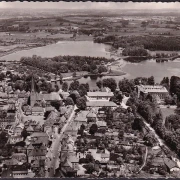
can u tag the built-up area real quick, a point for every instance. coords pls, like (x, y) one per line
(38, 140)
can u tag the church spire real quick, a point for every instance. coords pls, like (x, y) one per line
(32, 84)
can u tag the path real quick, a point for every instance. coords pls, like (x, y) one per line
(145, 158)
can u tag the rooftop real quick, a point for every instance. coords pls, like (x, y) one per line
(101, 104)
(149, 89)
(100, 94)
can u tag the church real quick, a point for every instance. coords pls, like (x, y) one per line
(42, 98)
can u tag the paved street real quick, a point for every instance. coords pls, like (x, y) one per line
(56, 145)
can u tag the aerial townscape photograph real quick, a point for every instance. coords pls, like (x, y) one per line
(89, 90)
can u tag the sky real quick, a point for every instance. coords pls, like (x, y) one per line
(89, 5)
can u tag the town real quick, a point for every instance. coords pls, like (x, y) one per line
(88, 92)
(75, 132)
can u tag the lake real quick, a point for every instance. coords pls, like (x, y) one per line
(72, 48)
(89, 48)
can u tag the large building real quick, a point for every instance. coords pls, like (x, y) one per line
(157, 91)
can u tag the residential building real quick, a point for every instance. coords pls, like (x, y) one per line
(20, 157)
(36, 151)
(9, 120)
(37, 111)
(13, 139)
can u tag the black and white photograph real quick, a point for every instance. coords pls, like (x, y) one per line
(89, 89)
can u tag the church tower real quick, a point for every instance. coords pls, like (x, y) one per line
(34, 93)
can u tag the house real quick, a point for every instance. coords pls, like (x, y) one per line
(98, 95)
(40, 137)
(13, 139)
(49, 108)
(36, 151)
(18, 129)
(10, 162)
(101, 124)
(64, 95)
(9, 120)
(91, 117)
(27, 110)
(20, 157)
(22, 171)
(19, 171)
(91, 104)
(37, 111)
(171, 165)
(67, 168)
(101, 156)
(72, 130)
(81, 118)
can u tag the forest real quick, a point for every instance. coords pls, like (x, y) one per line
(153, 43)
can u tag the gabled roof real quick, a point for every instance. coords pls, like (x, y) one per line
(91, 115)
(30, 128)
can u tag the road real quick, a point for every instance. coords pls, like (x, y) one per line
(161, 142)
(52, 160)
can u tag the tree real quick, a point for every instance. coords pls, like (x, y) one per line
(74, 96)
(151, 80)
(99, 84)
(175, 86)
(4, 138)
(93, 68)
(121, 134)
(56, 104)
(24, 133)
(74, 85)
(126, 85)
(2, 76)
(82, 90)
(102, 69)
(81, 103)
(110, 83)
(93, 129)
(21, 143)
(69, 101)
(74, 74)
(90, 168)
(89, 158)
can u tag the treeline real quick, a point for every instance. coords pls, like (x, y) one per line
(64, 64)
(153, 43)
